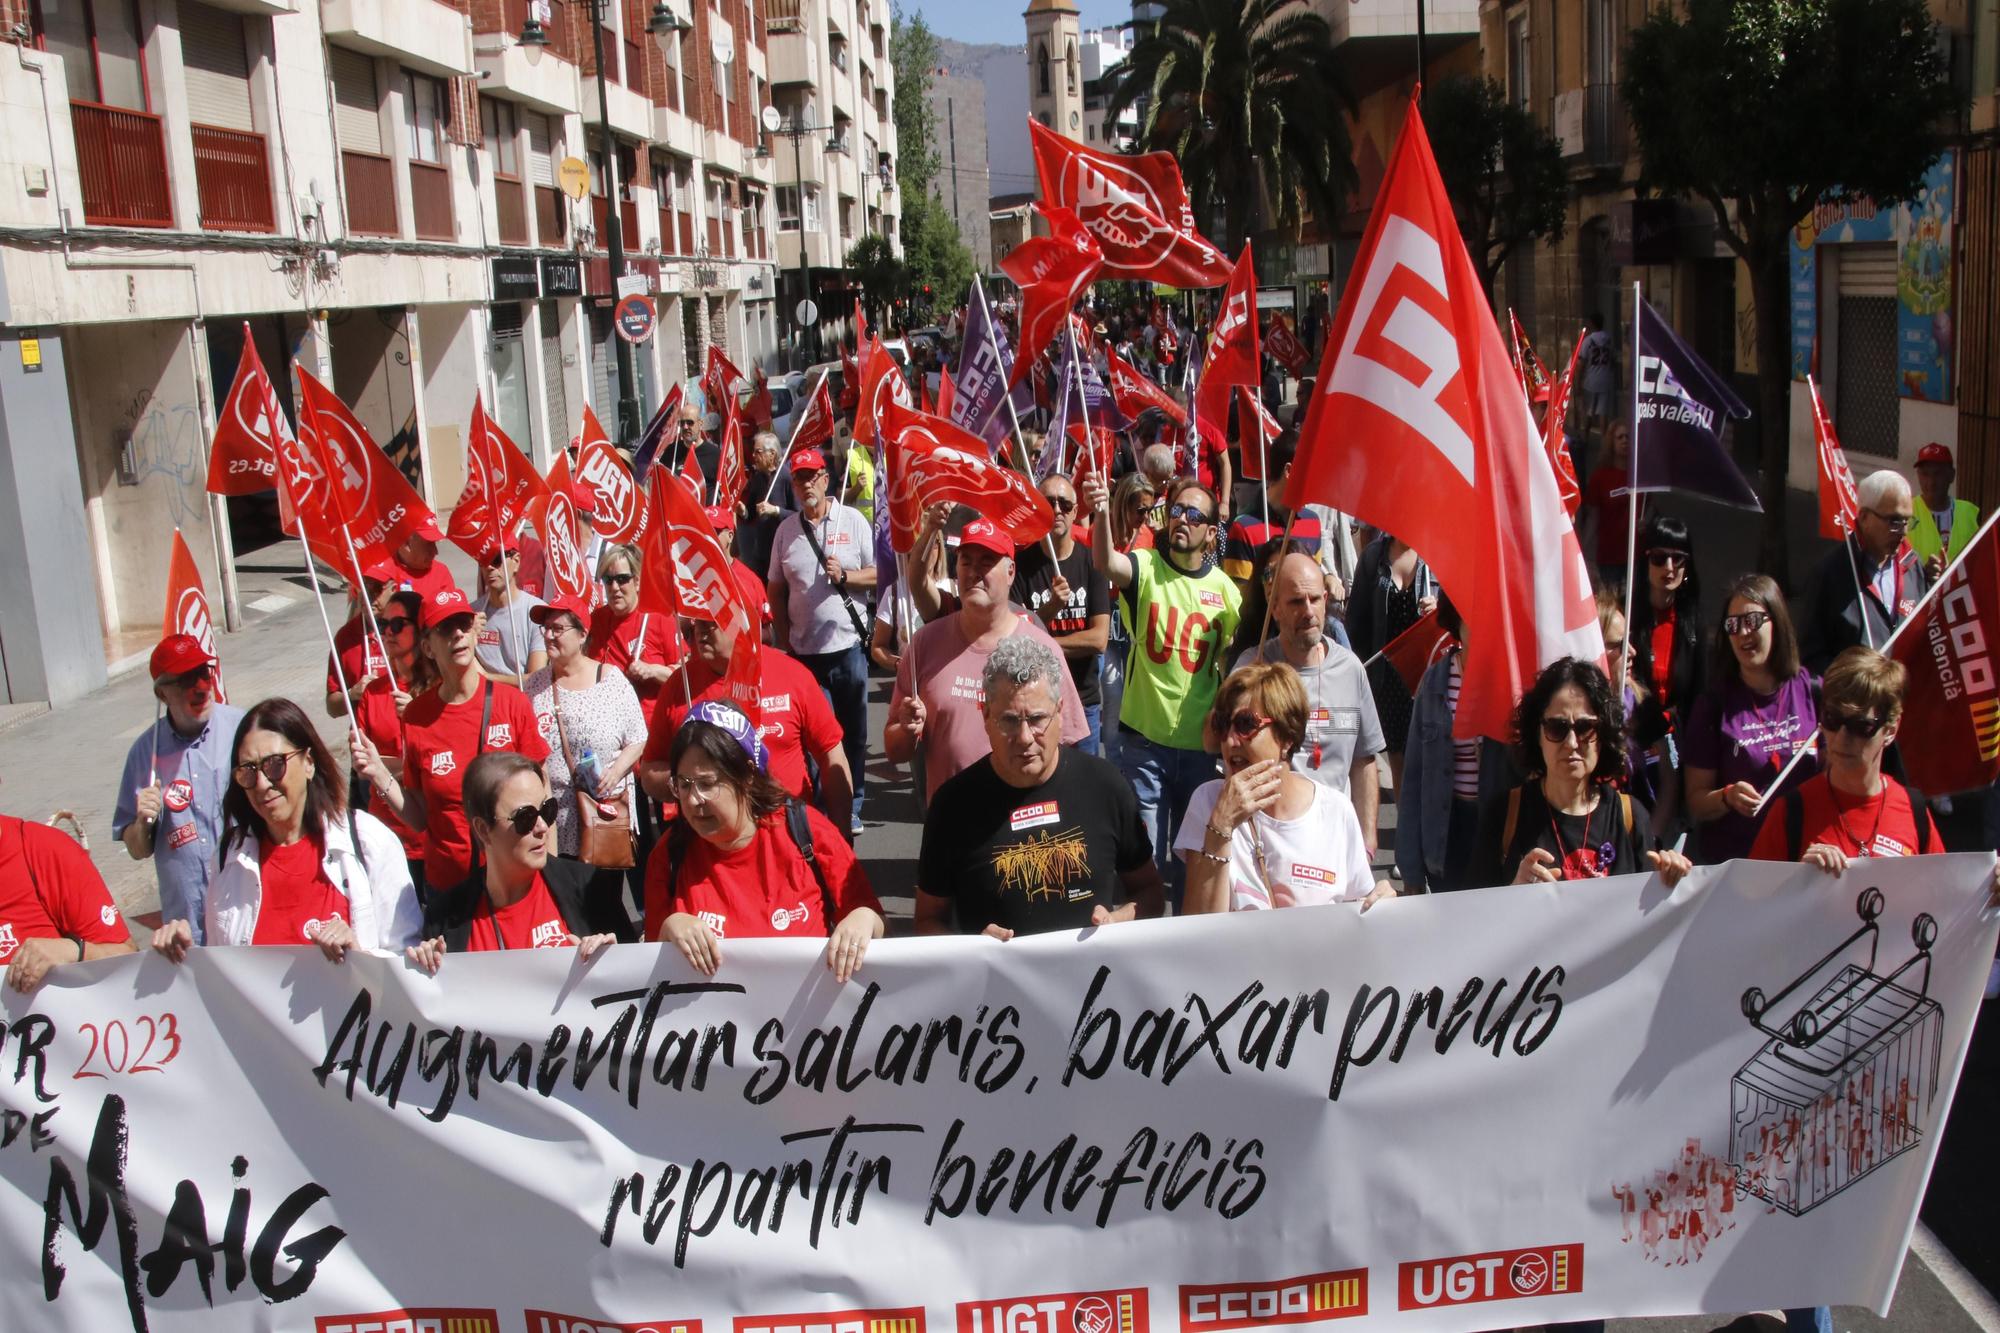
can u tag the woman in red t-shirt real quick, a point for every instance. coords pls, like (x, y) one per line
(297, 866)
(383, 703)
(1668, 665)
(523, 897)
(644, 645)
(731, 865)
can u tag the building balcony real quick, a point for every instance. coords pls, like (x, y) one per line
(794, 58)
(631, 112)
(820, 250)
(784, 16)
(426, 35)
(232, 174)
(551, 216)
(510, 204)
(1604, 128)
(628, 222)
(430, 202)
(370, 193)
(122, 157)
(1398, 18)
(272, 8)
(532, 76)
(675, 131)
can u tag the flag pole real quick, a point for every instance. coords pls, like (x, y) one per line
(797, 425)
(319, 599)
(1263, 470)
(1021, 452)
(368, 609)
(1860, 594)
(1277, 562)
(1895, 634)
(1631, 503)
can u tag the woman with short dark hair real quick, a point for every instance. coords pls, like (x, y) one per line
(296, 865)
(1668, 673)
(1568, 820)
(743, 859)
(522, 896)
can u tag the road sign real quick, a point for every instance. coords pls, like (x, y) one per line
(573, 174)
(635, 317)
(806, 313)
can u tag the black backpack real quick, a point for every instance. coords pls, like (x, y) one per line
(680, 837)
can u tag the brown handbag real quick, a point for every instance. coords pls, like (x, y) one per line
(604, 827)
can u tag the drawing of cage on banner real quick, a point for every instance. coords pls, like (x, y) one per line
(1845, 1082)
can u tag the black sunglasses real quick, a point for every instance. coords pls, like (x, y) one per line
(1662, 558)
(1061, 504)
(1749, 622)
(397, 624)
(1191, 513)
(273, 767)
(1861, 726)
(524, 819)
(614, 580)
(1556, 730)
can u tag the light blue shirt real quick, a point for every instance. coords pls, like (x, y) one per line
(193, 774)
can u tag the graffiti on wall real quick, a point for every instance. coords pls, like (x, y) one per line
(168, 443)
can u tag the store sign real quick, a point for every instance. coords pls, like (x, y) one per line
(516, 280)
(562, 277)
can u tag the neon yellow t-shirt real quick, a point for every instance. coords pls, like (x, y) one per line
(1181, 628)
(861, 482)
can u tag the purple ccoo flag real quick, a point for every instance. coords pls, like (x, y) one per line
(980, 378)
(1679, 405)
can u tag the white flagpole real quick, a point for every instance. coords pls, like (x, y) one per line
(368, 608)
(1631, 503)
(319, 599)
(1263, 463)
(797, 426)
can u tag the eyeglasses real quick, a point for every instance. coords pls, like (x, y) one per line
(1661, 559)
(1893, 522)
(1062, 504)
(1246, 724)
(1036, 723)
(696, 789)
(1749, 622)
(273, 767)
(398, 624)
(1556, 730)
(1861, 726)
(525, 819)
(201, 675)
(1190, 513)
(614, 580)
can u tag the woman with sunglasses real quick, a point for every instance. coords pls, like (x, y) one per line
(1568, 820)
(523, 896)
(1132, 504)
(642, 644)
(460, 717)
(297, 866)
(1667, 667)
(379, 715)
(1264, 835)
(1758, 711)
(744, 860)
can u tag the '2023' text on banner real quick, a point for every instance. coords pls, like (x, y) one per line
(1473, 1111)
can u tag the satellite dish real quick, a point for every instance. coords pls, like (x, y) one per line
(721, 47)
(772, 120)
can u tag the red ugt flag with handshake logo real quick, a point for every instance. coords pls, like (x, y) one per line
(1136, 207)
(1953, 696)
(1420, 428)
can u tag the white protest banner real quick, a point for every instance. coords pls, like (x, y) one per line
(1469, 1111)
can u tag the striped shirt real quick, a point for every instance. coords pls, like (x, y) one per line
(1464, 753)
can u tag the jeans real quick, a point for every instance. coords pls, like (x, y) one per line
(1111, 688)
(1163, 778)
(1817, 1319)
(844, 677)
(1093, 717)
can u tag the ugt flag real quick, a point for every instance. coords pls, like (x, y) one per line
(1420, 427)
(1136, 207)
(243, 457)
(1677, 430)
(1953, 696)
(187, 603)
(1839, 502)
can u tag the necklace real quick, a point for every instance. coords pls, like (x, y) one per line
(1840, 820)
(1606, 852)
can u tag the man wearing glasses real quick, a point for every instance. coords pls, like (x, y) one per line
(1073, 602)
(1183, 612)
(169, 804)
(1871, 582)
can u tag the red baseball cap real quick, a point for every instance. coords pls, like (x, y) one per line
(583, 497)
(383, 571)
(1934, 453)
(808, 460)
(428, 529)
(178, 654)
(985, 534)
(721, 517)
(547, 611)
(492, 549)
(754, 593)
(441, 606)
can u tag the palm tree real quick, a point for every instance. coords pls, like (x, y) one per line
(1247, 95)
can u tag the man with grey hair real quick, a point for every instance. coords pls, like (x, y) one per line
(1036, 836)
(1157, 463)
(1870, 582)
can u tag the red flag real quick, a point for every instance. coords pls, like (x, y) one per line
(691, 473)
(1253, 457)
(1134, 393)
(935, 460)
(554, 515)
(860, 323)
(815, 427)
(1136, 206)
(850, 376)
(688, 558)
(1231, 358)
(1557, 442)
(369, 494)
(243, 457)
(759, 411)
(881, 384)
(1419, 427)
(729, 478)
(1093, 453)
(621, 509)
(1527, 363)
(947, 392)
(1051, 272)
(1839, 502)
(187, 602)
(1282, 342)
(719, 379)
(1412, 652)
(1953, 697)
(658, 593)
(500, 484)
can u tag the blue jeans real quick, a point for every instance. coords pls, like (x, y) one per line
(1163, 778)
(1817, 1319)
(1111, 688)
(844, 677)
(1093, 717)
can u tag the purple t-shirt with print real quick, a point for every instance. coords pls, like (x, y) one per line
(1745, 736)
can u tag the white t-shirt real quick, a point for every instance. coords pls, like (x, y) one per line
(1317, 858)
(819, 624)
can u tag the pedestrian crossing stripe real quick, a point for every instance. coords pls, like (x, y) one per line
(1559, 1281)
(1343, 1294)
(892, 1326)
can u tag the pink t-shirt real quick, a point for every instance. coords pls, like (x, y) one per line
(947, 669)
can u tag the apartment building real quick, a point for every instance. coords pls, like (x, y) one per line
(374, 187)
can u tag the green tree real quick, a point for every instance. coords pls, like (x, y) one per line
(1761, 108)
(1246, 94)
(873, 264)
(1504, 172)
(934, 255)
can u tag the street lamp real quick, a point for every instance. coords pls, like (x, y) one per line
(796, 130)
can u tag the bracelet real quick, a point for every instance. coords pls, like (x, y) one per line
(1219, 833)
(77, 940)
(1207, 855)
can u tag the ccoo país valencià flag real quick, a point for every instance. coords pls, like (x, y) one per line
(1679, 408)
(1419, 427)
(935, 461)
(1953, 697)
(243, 456)
(1135, 206)
(187, 605)
(1839, 502)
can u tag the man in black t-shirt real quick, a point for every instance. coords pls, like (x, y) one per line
(1072, 600)
(1034, 837)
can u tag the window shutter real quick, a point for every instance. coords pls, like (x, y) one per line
(541, 164)
(218, 67)
(357, 103)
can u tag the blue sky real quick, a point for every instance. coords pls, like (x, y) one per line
(982, 21)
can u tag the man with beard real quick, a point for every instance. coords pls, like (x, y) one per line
(1183, 613)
